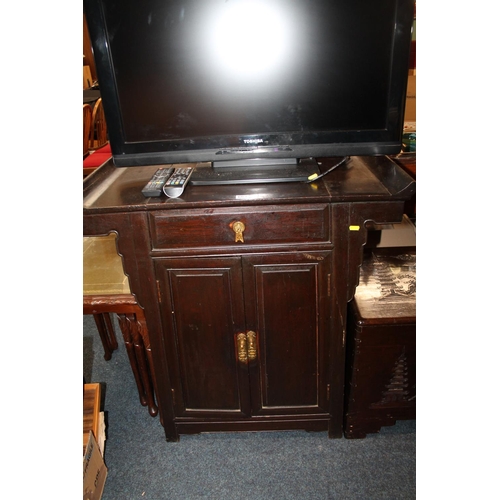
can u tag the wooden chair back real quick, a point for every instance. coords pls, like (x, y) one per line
(99, 127)
(87, 127)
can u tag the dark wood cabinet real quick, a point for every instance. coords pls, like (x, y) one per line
(246, 334)
(245, 289)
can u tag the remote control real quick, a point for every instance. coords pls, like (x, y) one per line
(155, 185)
(176, 183)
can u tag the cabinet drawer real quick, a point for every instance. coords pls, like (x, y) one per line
(271, 225)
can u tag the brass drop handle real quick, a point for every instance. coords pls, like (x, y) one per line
(246, 345)
(251, 345)
(238, 227)
(241, 345)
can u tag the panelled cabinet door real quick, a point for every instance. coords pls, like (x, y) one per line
(247, 336)
(287, 311)
(203, 311)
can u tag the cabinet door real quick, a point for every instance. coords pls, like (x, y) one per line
(287, 306)
(203, 311)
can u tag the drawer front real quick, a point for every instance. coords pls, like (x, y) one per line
(247, 226)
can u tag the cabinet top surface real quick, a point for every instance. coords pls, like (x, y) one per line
(111, 189)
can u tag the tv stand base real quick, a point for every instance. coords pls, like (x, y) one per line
(256, 174)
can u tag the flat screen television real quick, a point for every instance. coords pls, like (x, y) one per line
(246, 84)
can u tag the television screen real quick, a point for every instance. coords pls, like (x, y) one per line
(219, 80)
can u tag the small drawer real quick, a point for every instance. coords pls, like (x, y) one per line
(270, 225)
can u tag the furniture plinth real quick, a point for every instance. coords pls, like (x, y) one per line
(381, 343)
(247, 327)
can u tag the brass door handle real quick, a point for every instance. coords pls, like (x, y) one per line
(238, 227)
(246, 346)
(241, 346)
(251, 345)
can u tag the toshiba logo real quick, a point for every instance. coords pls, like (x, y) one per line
(253, 141)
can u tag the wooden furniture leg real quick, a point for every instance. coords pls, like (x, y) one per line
(132, 330)
(107, 333)
(150, 381)
(126, 321)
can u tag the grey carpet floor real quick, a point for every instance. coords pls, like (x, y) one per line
(237, 466)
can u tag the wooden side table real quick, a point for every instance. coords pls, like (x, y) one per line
(381, 343)
(106, 290)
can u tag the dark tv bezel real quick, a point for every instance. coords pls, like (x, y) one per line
(298, 144)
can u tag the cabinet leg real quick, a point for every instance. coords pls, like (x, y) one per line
(171, 434)
(334, 430)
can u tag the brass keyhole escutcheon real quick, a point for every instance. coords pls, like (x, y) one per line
(238, 227)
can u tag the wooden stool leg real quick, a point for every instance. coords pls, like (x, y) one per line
(140, 332)
(111, 331)
(143, 330)
(126, 321)
(133, 331)
(107, 334)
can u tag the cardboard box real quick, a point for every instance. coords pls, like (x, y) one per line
(93, 419)
(94, 471)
